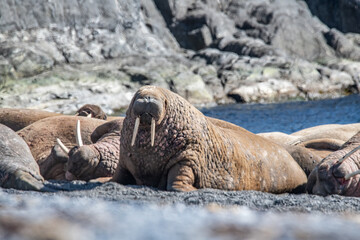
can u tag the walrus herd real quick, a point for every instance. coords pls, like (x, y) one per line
(166, 143)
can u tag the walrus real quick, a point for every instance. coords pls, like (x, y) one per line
(41, 138)
(92, 111)
(168, 144)
(307, 151)
(96, 160)
(18, 118)
(18, 168)
(338, 172)
(310, 145)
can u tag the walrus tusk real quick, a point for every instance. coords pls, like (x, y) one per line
(79, 141)
(152, 131)
(348, 155)
(136, 128)
(348, 176)
(89, 115)
(62, 146)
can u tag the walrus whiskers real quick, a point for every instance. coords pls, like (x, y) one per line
(348, 155)
(348, 176)
(152, 131)
(79, 141)
(136, 128)
(62, 146)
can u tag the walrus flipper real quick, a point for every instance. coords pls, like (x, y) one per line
(23, 180)
(181, 178)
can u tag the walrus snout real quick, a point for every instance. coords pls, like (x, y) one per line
(82, 162)
(322, 181)
(333, 177)
(147, 110)
(147, 107)
(340, 170)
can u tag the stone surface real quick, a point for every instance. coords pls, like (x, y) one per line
(64, 54)
(112, 210)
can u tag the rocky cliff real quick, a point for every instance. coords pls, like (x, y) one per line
(59, 55)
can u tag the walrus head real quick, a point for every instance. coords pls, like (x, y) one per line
(148, 109)
(338, 172)
(92, 111)
(85, 162)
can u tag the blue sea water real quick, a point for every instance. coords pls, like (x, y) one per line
(289, 117)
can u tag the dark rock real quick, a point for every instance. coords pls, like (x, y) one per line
(343, 15)
(343, 46)
(248, 47)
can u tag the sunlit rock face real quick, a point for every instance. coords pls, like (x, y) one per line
(60, 55)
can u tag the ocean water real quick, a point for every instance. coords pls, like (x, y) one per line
(289, 117)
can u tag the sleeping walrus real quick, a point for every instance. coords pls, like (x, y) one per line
(169, 144)
(338, 173)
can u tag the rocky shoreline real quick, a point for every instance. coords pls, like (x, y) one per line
(112, 210)
(60, 55)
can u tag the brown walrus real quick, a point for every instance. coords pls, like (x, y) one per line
(99, 159)
(92, 111)
(167, 143)
(41, 138)
(338, 172)
(18, 118)
(310, 145)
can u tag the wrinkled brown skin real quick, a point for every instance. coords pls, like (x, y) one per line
(18, 168)
(329, 176)
(309, 146)
(99, 159)
(192, 151)
(337, 132)
(41, 138)
(17, 119)
(341, 132)
(91, 110)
